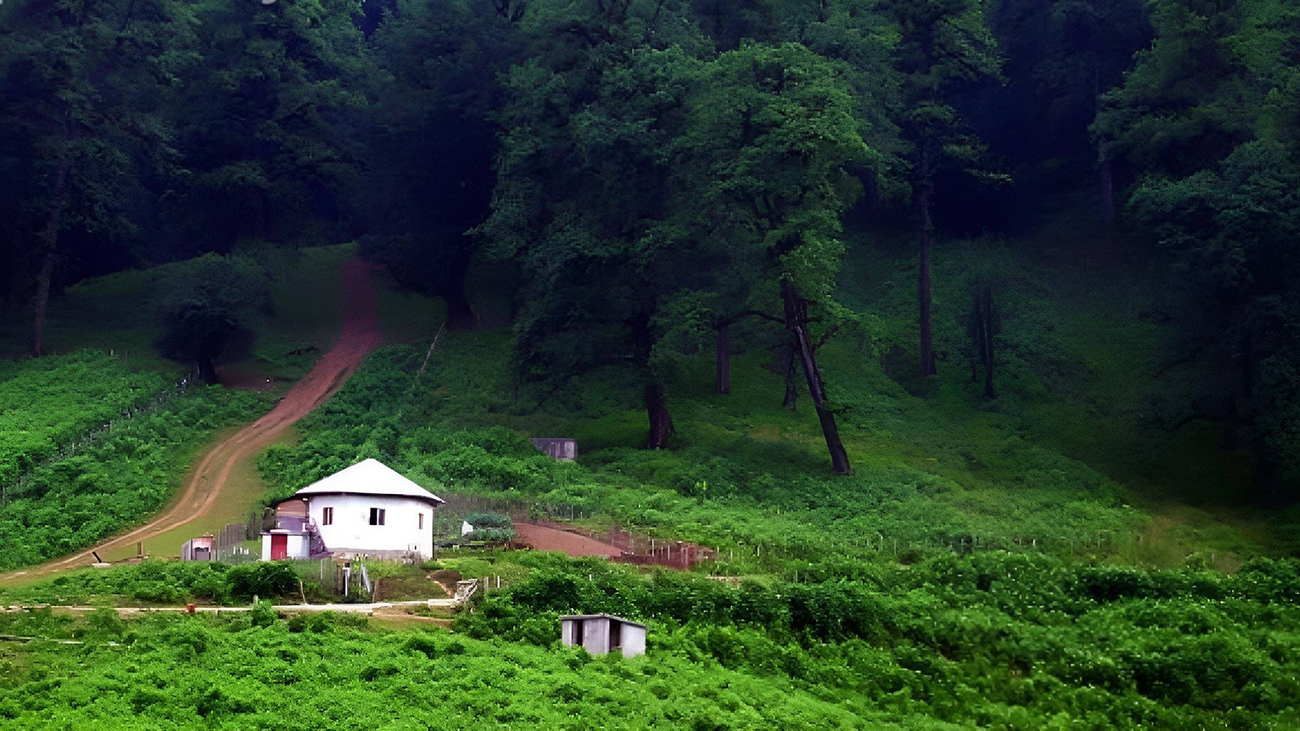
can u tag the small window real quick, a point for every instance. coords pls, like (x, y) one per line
(376, 516)
(327, 516)
(421, 521)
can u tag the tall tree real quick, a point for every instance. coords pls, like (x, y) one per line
(432, 142)
(209, 306)
(266, 125)
(582, 194)
(943, 43)
(769, 163)
(1209, 117)
(79, 124)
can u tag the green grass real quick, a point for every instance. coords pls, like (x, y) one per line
(993, 640)
(118, 313)
(49, 403)
(74, 501)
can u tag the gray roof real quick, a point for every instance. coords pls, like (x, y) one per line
(370, 477)
(601, 616)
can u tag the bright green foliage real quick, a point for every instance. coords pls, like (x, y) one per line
(48, 403)
(993, 640)
(986, 640)
(116, 480)
(166, 583)
(326, 671)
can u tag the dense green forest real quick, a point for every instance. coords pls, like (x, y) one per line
(653, 178)
(964, 331)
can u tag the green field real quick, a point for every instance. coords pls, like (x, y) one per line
(991, 640)
(1047, 559)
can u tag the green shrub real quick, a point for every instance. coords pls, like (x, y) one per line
(265, 579)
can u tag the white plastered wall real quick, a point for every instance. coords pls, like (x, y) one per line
(351, 530)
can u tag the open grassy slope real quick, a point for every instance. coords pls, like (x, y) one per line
(1072, 457)
(119, 313)
(827, 630)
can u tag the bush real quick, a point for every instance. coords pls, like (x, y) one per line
(491, 527)
(265, 579)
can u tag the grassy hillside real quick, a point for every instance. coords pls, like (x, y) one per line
(95, 440)
(990, 640)
(120, 313)
(1072, 456)
(855, 611)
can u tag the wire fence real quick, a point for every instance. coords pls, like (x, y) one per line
(21, 486)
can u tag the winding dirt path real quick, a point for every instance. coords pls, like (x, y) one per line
(204, 485)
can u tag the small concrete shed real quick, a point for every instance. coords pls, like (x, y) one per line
(562, 448)
(197, 549)
(603, 633)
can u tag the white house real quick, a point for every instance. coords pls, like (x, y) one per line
(367, 509)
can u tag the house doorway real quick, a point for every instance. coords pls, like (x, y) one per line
(279, 546)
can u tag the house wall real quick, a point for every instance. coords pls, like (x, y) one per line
(351, 531)
(296, 544)
(633, 640)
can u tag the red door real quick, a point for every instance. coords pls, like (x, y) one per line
(279, 546)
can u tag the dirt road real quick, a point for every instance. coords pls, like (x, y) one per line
(572, 544)
(204, 484)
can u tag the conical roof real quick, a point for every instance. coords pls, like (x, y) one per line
(370, 477)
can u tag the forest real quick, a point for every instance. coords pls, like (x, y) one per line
(659, 177)
(963, 331)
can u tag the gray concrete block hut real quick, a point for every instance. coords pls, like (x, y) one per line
(603, 633)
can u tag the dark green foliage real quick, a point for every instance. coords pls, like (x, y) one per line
(209, 309)
(1208, 119)
(261, 579)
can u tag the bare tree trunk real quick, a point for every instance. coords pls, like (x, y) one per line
(460, 315)
(49, 247)
(207, 370)
(796, 320)
(722, 345)
(984, 329)
(791, 401)
(925, 289)
(990, 327)
(42, 302)
(656, 399)
(661, 422)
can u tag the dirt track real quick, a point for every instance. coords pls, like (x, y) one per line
(203, 486)
(572, 544)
